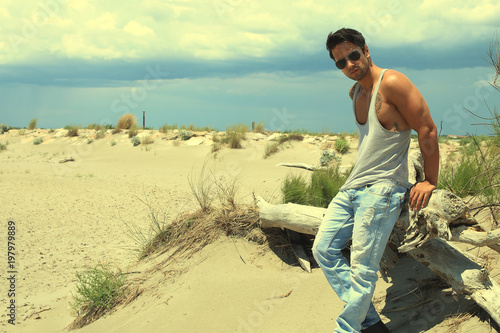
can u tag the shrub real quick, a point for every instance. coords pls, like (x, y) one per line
(185, 134)
(113, 143)
(100, 134)
(37, 141)
(133, 131)
(342, 146)
(4, 128)
(327, 157)
(235, 134)
(135, 141)
(72, 130)
(3, 146)
(98, 288)
(32, 124)
(126, 121)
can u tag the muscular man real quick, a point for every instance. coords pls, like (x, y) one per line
(387, 106)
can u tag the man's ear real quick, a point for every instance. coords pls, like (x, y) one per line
(366, 51)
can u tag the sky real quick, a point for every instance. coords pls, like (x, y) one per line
(224, 62)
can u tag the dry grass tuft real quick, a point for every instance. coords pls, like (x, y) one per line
(191, 232)
(126, 121)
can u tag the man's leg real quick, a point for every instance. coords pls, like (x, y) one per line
(332, 237)
(377, 208)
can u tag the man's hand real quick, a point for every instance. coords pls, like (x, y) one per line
(420, 194)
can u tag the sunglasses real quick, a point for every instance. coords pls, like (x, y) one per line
(353, 56)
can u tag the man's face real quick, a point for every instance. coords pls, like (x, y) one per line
(354, 69)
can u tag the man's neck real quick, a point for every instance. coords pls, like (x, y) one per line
(370, 78)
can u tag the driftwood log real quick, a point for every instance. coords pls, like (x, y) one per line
(422, 234)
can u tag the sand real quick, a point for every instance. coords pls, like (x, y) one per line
(74, 215)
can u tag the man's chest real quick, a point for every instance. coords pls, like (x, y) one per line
(387, 114)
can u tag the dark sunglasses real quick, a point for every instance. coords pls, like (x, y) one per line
(353, 56)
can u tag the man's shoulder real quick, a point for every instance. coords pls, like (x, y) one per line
(395, 81)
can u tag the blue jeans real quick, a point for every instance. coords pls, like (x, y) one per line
(367, 215)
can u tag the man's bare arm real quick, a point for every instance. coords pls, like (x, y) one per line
(412, 106)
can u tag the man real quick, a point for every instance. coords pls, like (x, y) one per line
(387, 106)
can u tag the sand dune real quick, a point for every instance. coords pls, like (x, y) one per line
(72, 215)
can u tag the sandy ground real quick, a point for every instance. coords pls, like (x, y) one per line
(70, 216)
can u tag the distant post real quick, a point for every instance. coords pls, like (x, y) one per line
(143, 119)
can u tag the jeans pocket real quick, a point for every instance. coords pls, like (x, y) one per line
(380, 189)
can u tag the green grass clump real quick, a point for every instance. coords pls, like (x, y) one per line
(476, 173)
(323, 186)
(3, 146)
(37, 141)
(342, 146)
(98, 288)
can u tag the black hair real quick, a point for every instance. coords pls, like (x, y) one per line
(344, 35)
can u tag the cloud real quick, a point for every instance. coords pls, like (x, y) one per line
(225, 30)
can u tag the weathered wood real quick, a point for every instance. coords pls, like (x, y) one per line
(299, 218)
(298, 250)
(309, 167)
(464, 275)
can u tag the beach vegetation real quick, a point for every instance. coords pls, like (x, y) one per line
(3, 146)
(185, 134)
(259, 128)
(234, 135)
(147, 140)
(295, 136)
(132, 131)
(22, 131)
(135, 141)
(90, 140)
(37, 141)
(32, 124)
(126, 121)
(116, 131)
(271, 148)
(94, 126)
(342, 145)
(4, 128)
(323, 185)
(72, 130)
(100, 134)
(98, 290)
(167, 127)
(113, 143)
(328, 157)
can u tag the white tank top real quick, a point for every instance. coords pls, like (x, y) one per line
(382, 154)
